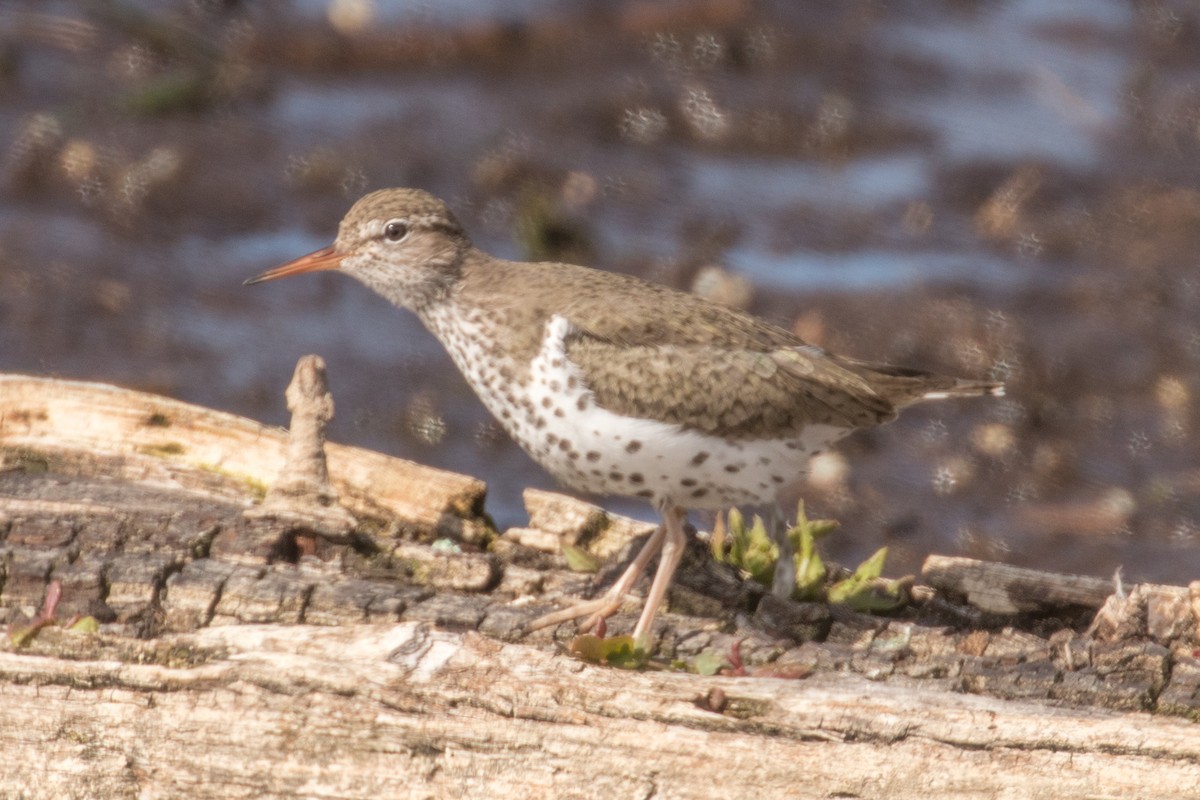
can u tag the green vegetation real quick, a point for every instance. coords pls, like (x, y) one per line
(750, 549)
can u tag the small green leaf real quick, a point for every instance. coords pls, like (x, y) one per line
(578, 559)
(587, 647)
(882, 595)
(716, 540)
(759, 553)
(866, 591)
(84, 625)
(24, 634)
(812, 528)
(872, 568)
(616, 651)
(810, 571)
(708, 663)
(737, 537)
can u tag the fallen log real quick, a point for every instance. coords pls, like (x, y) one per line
(253, 647)
(407, 711)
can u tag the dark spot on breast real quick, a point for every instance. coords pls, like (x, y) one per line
(777, 478)
(633, 446)
(564, 445)
(573, 455)
(571, 381)
(556, 363)
(636, 477)
(582, 403)
(700, 458)
(592, 455)
(688, 482)
(550, 437)
(558, 412)
(616, 476)
(555, 386)
(732, 469)
(645, 493)
(546, 402)
(540, 422)
(700, 493)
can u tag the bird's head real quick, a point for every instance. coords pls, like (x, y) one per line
(403, 243)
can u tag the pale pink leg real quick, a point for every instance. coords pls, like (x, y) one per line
(674, 543)
(607, 604)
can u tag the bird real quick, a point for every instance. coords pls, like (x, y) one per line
(620, 386)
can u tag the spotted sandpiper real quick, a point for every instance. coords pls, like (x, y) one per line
(618, 386)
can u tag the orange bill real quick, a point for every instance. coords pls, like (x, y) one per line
(325, 258)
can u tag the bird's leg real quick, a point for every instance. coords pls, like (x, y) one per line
(783, 582)
(607, 604)
(674, 543)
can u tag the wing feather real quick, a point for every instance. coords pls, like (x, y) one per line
(735, 392)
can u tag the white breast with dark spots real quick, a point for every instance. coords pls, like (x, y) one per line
(557, 421)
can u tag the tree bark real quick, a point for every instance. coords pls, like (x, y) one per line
(404, 710)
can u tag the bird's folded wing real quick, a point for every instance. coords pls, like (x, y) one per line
(733, 392)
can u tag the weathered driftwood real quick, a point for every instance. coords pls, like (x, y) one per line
(47, 422)
(556, 520)
(247, 652)
(406, 711)
(1162, 613)
(1005, 589)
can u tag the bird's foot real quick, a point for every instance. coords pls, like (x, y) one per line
(607, 604)
(595, 610)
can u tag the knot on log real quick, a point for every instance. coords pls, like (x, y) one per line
(302, 493)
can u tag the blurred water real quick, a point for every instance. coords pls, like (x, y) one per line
(857, 158)
(1020, 84)
(868, 269)
(861, 184)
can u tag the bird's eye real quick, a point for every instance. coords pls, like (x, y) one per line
(395, 230)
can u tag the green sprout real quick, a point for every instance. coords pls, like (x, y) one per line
(750, 548)
(614, 651)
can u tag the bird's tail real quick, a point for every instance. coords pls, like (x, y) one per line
(964, 388)
(902, 386)
(905, 391)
